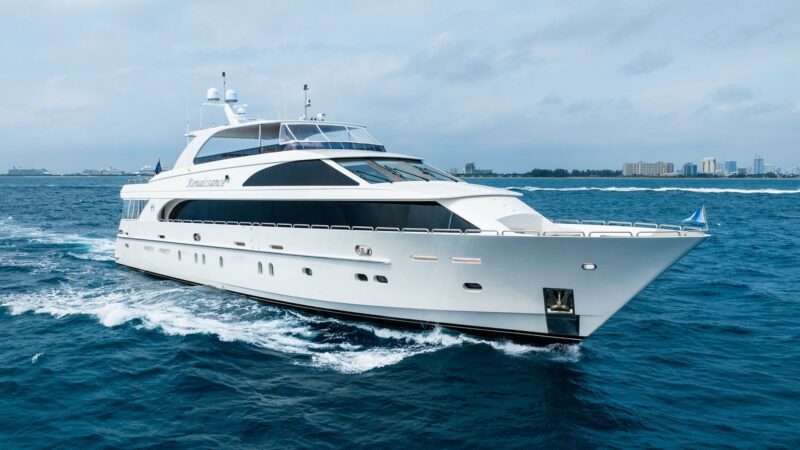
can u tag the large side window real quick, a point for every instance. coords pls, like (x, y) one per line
(428, 215)
(300, 173)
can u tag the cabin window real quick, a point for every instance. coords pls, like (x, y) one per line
(387, 170)
(428, 215)
(300, 173)
(220, 262)
(260, 268)
(307, 271)
(271, 269)
(361, 277)
(369, 172)
(132, 209)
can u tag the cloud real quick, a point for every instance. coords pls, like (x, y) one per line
(731, 94)
(646, 63)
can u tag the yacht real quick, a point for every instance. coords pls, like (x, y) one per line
(319, 215)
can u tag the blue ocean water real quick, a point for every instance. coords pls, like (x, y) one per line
(92, 355)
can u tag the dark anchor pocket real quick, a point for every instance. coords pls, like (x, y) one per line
(559, 307)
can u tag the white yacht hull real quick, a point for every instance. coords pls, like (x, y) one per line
(425, 272)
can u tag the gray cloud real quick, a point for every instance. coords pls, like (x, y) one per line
(106, 83)
(731, 94)
(646, 63)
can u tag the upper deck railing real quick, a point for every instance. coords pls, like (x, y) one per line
(653, 230)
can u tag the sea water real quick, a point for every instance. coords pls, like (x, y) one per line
(95, 355)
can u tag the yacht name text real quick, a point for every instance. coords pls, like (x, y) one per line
(208, 182)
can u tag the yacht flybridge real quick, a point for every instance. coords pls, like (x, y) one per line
(318, 215)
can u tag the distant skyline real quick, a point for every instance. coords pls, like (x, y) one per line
(510, 85)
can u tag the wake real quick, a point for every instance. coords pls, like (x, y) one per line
(318, 341)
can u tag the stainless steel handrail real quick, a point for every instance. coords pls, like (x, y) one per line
(651, 229)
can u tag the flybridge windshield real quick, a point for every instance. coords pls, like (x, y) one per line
(386, 170)
(275, 137)
(310, 136)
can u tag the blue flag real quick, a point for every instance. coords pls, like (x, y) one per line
(698, 218)
(158, 168)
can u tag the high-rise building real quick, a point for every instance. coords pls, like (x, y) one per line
(730, 167)
(758, 165)
(690, 170)
(770, 168)
(647, 169)
(469, 169)
(708, 166)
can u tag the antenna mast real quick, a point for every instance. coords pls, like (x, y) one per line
(307, 101)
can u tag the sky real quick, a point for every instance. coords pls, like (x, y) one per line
(509, 85)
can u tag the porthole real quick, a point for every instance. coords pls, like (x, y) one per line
(196, 237)
(204, 258)
(127, 246)
(361, 277)
(473, 286)
(381, 279)
(271, 270)
(220, 262)
(260, 268)
(307, 271)
(195, 258)
(179, 255)
(589, 266)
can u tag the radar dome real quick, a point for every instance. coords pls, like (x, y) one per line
(231, 96)
(212, 95)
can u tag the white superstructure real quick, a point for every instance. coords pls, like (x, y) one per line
(317, 215)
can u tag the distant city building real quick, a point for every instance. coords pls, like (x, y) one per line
(758, 165)
(708, 166)
(770, 168)
(729, 167)
(647, 169)
(742, 171)
(20, 172)
(690, 170)
(471, 170)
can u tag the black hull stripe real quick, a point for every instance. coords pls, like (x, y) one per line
(518, 336)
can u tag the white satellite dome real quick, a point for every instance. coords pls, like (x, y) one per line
(212, 95)
(231, 96)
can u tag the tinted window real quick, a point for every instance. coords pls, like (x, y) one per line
(300, 173)
(402, 169)
(428, 215)
(367, 171)
(432, 172)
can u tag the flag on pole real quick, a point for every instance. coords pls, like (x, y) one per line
(698, 218)
(158, 168)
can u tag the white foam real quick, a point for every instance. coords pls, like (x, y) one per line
(36, 357)
(185, 311)
(98, 249)
(660, 189)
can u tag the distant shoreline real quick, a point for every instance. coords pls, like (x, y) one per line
(636, 178)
